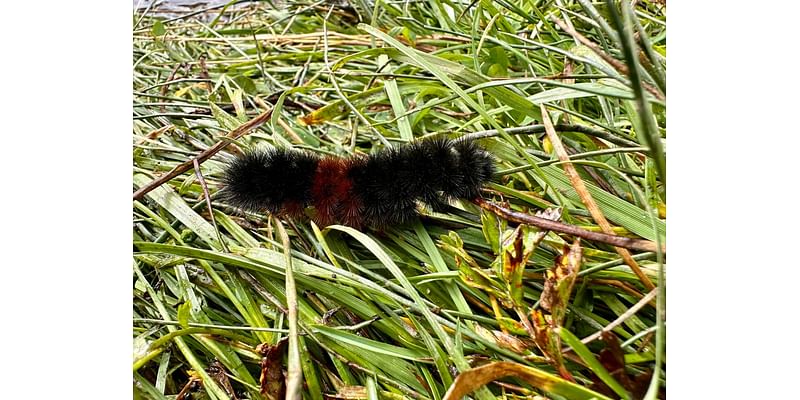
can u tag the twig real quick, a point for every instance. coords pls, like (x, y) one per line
(208, 203)
(622, 285)
(586, 197)
(204, 73)
(169, 80)
(524, 130)
(523, 218)
(185, 166)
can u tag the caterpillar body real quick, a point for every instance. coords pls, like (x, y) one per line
(378, 190)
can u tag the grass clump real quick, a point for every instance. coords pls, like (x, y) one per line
(569, 97)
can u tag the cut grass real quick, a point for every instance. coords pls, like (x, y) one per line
(399, 313)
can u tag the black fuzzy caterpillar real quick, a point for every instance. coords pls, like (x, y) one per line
(378, 190)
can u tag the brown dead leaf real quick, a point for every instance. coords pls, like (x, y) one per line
(558, 284)
(560, 279)
(510, 342)
(273, 383)
(310, 119)
(217, 371)
(613, 360)
(549, 342)
(503, 340)
(194, 384)
(470, 380)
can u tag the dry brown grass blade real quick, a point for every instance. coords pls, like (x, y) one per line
(586, 197)
(471, 380)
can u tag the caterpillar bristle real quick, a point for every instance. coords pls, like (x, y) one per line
(270, 180)
(378, 190)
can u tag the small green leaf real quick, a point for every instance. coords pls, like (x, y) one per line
(184, 312)
(498, 56)
(158, 28)
(469, 270)
(497, 71)
(492, 226)
(246, 84)
(410, 35)
(225, 120)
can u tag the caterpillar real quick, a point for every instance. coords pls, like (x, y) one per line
(378, 190)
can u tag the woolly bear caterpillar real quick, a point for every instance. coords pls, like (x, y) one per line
(376, 190)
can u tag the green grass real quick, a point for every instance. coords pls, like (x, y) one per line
(399, 313)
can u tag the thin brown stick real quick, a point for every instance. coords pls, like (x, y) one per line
(166, 86)
(622, 285)
(586, 197)
(204, 73)
(531, 129)
(208, 202)
(523, 218)
(187, 165)
(617, 64)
